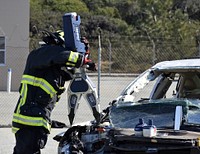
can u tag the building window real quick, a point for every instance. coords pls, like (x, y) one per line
(2, 50)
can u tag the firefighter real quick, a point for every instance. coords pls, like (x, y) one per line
(46, 71)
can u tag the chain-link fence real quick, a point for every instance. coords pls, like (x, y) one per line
(138, 54)
(121, 61)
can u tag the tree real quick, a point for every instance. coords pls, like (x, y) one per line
(47, 14)
(161, 24)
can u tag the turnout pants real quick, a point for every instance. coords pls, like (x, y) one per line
(30, 140)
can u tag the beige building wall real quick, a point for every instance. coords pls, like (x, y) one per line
(14, 24)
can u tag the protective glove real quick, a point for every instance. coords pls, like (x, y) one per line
(90, 65)
(87, 61)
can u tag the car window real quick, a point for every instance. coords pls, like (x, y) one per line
(161, 87)
(189, 86)
(175, 85)
(160, 111)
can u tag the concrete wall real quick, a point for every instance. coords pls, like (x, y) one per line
(14, 24)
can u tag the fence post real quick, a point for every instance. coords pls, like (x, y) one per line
(199, 48)
(9, 80)
(110, 56)
(99, 63)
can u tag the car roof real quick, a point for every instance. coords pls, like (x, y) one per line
(173, 66)
(178, 65)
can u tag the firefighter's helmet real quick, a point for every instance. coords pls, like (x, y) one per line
(56, 38)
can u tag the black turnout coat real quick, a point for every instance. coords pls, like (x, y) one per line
(42, 84)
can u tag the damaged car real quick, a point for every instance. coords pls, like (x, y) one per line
(158, 112)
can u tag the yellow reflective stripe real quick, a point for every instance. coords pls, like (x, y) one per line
(15, 129)
(73, 57)
(39, 82)
(31, 121)
(70, 64)
(23, 94)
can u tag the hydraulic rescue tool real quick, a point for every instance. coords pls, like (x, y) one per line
(80, 85)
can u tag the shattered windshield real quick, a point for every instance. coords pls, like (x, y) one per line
(162, 113)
